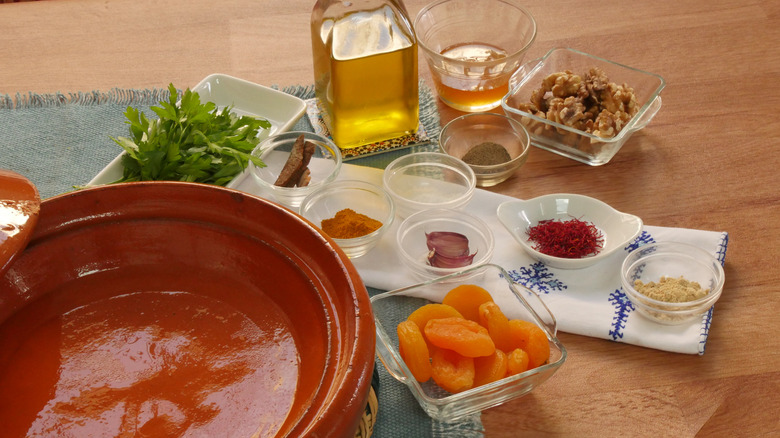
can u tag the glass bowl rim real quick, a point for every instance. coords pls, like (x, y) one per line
(354, 184)
(526, 141)
(672, 308)
(510, 56)
(506, 381)
(464, 169)
(263, 147)
(447, 213)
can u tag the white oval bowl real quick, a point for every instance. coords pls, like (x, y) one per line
(617, 228)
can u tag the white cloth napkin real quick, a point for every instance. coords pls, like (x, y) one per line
(586, 301)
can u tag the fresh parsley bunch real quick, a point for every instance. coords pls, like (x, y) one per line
(191, 141)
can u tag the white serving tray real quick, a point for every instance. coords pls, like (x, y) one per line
(279, 108)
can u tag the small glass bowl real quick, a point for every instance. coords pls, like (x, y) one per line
(412, 243)
(425, 180)
(472, 48)
(517, 302)
(462, 133)
(325, 166)
(617, 228)
(672, 259)
(360, 196)
(567, 141)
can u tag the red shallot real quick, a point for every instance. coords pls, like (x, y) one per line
(448, 249)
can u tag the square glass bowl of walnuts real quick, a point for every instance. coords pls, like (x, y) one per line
(581, 106)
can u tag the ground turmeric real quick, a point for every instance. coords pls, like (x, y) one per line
(348, 224)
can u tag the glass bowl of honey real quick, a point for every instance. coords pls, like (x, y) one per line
(473, 48)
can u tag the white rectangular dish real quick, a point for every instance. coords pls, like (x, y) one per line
(247, 98)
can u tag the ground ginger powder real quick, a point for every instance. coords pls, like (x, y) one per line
(671, 290)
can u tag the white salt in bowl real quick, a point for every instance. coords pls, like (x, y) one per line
(427, 180)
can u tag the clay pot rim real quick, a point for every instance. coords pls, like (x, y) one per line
(339, 403)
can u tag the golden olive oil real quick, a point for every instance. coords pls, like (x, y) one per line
(365, 71)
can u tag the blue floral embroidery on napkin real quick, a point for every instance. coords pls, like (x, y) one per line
(643, 239)
(724, 243)
(623, 308)
(705, 330)
(705, 326)
(618, 299)
(538, 278)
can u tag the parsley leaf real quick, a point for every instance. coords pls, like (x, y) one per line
(190, 141)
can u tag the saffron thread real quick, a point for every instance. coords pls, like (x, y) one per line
(570, 239)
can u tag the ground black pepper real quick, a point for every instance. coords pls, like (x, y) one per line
(487, 154)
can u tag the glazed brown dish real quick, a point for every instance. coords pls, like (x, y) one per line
(176, 309)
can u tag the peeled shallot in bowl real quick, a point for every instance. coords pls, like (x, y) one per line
(448, 249)
(441, 241)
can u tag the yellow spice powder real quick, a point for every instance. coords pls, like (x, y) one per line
(671, 290)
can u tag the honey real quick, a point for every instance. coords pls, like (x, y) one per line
(365, 72)
(475, 87)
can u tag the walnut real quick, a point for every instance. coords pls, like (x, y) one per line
(627, 96)
(608, 124)
(596, 80)
(573, 111)
(587, 125)
(562, 84)
(537, 100)
(528, 107)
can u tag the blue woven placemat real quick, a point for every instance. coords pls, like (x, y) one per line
(62, 140)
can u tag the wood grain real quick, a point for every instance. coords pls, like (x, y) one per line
(708, 160)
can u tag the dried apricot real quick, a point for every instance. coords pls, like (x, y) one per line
(488, 369)
(414, 350)
(492, 318)
(425, 313)
(517, 361)
(466, 298)
(467, 341)
(451, 371)
(461, 335)
(529, 337)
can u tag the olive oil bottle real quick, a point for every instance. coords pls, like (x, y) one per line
(365, 69)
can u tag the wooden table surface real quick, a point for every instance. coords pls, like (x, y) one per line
(708, 161)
